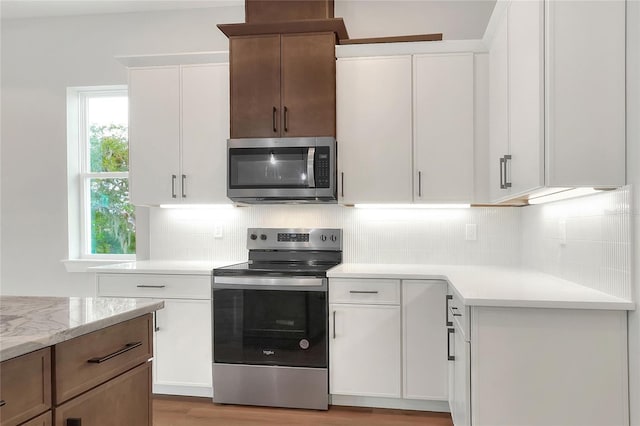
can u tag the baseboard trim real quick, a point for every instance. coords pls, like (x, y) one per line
(392, 403)
(203, 392)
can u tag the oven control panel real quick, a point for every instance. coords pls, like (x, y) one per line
(298, 238)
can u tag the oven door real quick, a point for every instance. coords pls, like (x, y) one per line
(270, 321)
(281, 169)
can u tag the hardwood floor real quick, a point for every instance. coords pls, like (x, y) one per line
(181, 411)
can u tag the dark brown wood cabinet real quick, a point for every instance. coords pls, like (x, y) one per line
(258, 11)
(283, 85)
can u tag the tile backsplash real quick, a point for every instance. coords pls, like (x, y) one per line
(585, 240)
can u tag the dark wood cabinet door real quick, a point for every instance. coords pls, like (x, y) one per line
(308, 85)
(255, 86)
(125, 400)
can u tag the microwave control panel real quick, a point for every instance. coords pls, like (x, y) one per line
(322, 167)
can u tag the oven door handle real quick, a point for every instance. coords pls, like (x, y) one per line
(268, 282)
(311, 179)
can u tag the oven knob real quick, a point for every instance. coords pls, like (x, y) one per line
(253, 236)
(334, 238)
(304, 344)
(263, 237)
(323, 237)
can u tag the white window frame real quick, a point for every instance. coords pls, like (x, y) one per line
(79, 174)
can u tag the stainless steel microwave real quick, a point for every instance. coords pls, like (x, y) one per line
(282, 170)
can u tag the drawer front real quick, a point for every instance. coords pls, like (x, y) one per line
(125, 400)
(87, 361)
(25, 387)
(366, 291)
(459, 313)
(155, 285)
(44, 420)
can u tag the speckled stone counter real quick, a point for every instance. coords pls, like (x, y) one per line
(31, 323)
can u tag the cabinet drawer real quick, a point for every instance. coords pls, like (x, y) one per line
(25, 387)
(459, 313)
(367, 291)
(124, 400)
(45, 419)
(155, 285)
(87, 361)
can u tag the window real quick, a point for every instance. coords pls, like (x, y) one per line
(98, 127)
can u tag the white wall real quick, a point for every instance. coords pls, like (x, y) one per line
(40, 59)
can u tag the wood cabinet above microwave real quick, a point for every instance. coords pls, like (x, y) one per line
(283, 85)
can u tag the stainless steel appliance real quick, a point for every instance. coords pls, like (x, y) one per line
(284, 170)
(270, 320)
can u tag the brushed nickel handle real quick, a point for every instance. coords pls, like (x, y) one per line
(173, 186)
(502, 185)
(419, 184)
(150, 286)
(507, 184)
(342, 184)
(363, 291)
(334, 324)
(184, 184)
(275, 122)
(446, 310)
(286, 119)
(450, 331)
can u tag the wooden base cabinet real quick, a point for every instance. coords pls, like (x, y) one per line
(124, 400)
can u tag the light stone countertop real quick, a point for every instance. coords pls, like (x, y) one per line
(30, 323)
(493, 285)
(170, 267)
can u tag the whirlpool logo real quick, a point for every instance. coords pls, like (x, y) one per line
(268, 352)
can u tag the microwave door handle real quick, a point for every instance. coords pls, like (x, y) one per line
(311, 154)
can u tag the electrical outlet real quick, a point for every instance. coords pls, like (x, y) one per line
(217, 232)
(470, 232)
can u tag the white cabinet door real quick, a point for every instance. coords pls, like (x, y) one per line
(498, 111)
(182, 356)
(154, 134)
(205, 130)
(526, 96)
(373, 106)
(443, 128)
(364, 350)
(425, 366)
(460, 400)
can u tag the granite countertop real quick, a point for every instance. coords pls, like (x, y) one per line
(31, 323)
(173, 267)
(493, 285)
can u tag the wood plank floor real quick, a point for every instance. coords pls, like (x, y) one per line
(180, 411)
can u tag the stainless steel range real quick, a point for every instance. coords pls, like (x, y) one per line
(270, 321)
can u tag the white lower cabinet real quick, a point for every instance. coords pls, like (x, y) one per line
(182, 342)
(387, 339)
(536, 366)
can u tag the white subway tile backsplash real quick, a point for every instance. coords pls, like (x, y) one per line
(596, 251)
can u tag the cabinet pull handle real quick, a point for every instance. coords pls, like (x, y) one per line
(155, 322)
(274, 118)
(419, 184)
(74, 422)
(286, 119)
(342, 184)
(363, 291)
(184, 185)
(507, 184)
(334, 324)
(446, 310)
(150, 286)
(128, 347)
(450, 331)
(173, 186)
(2, 403)
(502, 185)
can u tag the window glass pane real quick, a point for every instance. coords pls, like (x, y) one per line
(107, 125)
(113, 229)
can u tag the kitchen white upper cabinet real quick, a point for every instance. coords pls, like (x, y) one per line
(364, 357)
(557, 96)
(179, 124)
(154, 134)
(425, 364)
(443, 105)
(374, 131)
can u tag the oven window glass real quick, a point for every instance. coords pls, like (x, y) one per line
(268, 168)
(270, 327)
